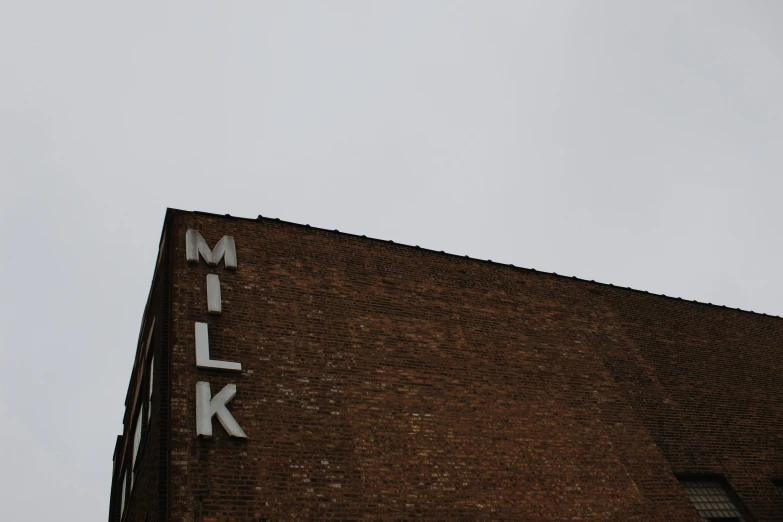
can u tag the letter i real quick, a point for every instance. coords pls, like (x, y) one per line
(214, 300)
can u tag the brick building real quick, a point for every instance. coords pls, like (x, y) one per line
(287, 372)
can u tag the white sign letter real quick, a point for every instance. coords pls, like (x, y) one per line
(202, 352)
(195, 245)
(208, 406)
(214, 301)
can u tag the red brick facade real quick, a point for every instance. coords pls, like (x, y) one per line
(388, 382)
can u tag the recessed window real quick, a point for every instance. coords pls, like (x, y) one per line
(149, 399)
(122, 495)
(712, 500)
(136, 442)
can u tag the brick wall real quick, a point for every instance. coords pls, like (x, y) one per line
(143, 499)
(386, 382)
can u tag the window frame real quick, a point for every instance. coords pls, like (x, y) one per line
(123, 493)
(138, 435)
(151, 387)
(724, 484)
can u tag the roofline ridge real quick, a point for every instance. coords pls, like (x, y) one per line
(465, 256)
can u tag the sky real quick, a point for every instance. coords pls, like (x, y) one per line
(628, 142)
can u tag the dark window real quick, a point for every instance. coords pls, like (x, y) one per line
(152, 382)
(712, 500)
(122, 494)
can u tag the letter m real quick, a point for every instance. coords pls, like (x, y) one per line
(225, 248)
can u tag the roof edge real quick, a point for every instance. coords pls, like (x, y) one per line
(443, 253)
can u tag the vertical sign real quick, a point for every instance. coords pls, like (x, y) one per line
(208, 406)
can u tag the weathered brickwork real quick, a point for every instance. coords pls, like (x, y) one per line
(385, 382)
(143, 499)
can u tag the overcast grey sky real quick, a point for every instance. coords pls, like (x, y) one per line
(630, 142)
